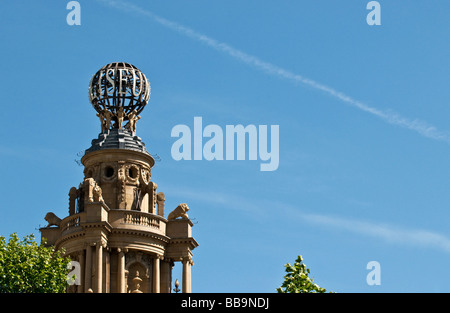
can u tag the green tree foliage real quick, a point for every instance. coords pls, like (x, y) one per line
(26, 267)
(297, 279)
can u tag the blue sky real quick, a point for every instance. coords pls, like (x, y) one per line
(362, 110)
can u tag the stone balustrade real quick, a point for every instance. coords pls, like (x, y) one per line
(71, 222)
(137, 220)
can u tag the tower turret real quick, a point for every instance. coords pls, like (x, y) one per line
(116, 225)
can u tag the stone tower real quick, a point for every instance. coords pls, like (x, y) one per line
(116, 227)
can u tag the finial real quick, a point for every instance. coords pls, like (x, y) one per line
(119, 92)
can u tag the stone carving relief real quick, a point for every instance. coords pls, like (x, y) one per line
(132, 173)
(94, 191)
(150, 189)
(160, 200)
(138, 264)
(145, 176)
(137, 281)
(121, 179)
(92, 172)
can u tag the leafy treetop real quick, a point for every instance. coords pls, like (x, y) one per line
(26, 267)
(297, 279)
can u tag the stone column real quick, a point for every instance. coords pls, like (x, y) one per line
(166, 273)
(107, 288)
(99, 268)
(121, 271)
(156, 274)
(186, 286)
(82, 260)
(88, 268)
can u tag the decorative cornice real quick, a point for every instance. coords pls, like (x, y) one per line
(68, 237)
(140, 233)
(190, 241)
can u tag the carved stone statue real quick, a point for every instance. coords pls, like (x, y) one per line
(97, 191)
(120, 116)
(105, 120)
(133, 118)
(52, 219)
(93, 190)
(108, 116)
(89, 184)
(102, 121)
(180, 211)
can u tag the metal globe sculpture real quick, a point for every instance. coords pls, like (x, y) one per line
(119, 92)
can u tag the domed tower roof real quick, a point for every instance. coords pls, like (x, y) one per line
(117, 139)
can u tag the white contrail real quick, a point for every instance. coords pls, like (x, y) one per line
(389, 233)
(419, 126)
(263, 209)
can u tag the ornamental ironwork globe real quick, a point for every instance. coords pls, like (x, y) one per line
(118, 92)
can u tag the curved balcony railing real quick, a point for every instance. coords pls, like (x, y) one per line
(123, 219)
(137, 220)
(70, 223)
